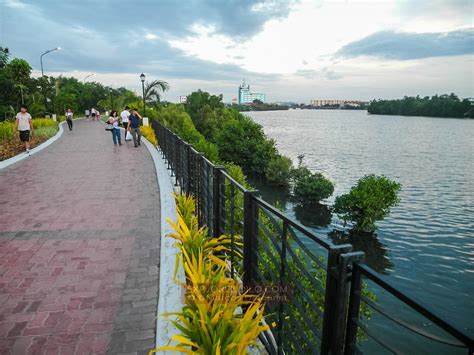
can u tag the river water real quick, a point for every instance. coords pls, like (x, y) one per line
(426, 245)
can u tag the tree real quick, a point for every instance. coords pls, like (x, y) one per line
(244, 143)
(207, 112)
(154, 89)
(368, 201)
(20, 71)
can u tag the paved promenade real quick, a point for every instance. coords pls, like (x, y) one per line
(79, 248)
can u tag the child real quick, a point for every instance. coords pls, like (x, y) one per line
(24, 125)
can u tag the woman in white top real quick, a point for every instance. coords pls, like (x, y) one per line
(114, 121)
(24, 125)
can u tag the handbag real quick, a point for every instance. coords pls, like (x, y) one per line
(128, 136)
(109, 127)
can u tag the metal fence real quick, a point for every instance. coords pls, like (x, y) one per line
(315, 291)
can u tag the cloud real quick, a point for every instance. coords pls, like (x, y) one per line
(324, 73)
(117, 40)
(407, 46)
(232, 17)
(283, 48)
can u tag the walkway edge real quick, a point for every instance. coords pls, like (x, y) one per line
(169, 292)
(19, 157)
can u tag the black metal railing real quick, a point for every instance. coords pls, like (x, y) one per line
(314, 289)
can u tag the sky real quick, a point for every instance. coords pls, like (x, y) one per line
(290, 50)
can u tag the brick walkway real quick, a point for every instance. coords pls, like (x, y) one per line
(79, 248)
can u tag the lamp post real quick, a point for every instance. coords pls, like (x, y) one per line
(41, 57)
(142, 78)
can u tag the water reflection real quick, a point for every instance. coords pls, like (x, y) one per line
(376, 253)
(276, 196)
(313, 215)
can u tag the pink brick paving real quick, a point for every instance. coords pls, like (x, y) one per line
(79, 248)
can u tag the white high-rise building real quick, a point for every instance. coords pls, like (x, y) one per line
(246, 96)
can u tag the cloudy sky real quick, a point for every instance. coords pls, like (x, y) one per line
(291, 50)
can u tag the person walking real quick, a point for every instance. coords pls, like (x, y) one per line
(24, 125)
(124, 115)
(69, 115)
(134, 127)
(93, 113)
(114, 121)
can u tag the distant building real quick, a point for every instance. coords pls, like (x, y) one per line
(247, 97)
(341, 103)
(183, 99)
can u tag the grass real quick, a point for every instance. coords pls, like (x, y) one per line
(45, 132)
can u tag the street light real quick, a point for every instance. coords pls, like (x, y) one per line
(41, 58)
(142, 78)
(87, 76)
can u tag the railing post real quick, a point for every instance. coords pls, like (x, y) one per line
(216, 200)
(331, 300)
(340, 324)
(250, 238)
(353, 310)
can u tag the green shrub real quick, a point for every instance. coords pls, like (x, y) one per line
(368, 201)
(45, 132)
(175, 118)
(208, 149)
(6, 130)
(311, 187)
(238, 175)
(279, 171)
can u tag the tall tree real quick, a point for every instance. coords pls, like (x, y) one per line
(154, 90)
(20, 70)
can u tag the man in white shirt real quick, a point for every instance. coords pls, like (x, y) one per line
(24, 125)
(124, 115)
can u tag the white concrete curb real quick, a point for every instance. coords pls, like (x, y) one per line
(21, 156)
(170, 293)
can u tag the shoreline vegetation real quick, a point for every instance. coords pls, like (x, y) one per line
(447, 106)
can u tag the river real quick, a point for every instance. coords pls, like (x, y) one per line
(426, 245)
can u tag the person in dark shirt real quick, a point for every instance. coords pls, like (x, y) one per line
(134, 127)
